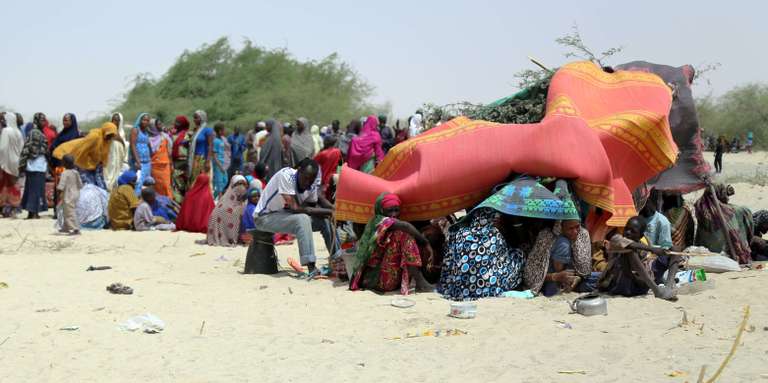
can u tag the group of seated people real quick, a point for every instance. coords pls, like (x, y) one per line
(489, 251)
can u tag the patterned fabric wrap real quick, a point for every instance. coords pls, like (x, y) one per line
(479, 263)
(525, 197)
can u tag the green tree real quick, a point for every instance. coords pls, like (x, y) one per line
(739, 111)
(254, 83)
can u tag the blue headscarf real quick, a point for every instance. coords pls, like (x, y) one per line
(137, 123)
(68, 134)
(127, 177)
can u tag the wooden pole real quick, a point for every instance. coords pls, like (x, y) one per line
(539, 64)
(723, 228)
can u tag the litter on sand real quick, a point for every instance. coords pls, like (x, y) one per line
(431, 333)
(148, 323)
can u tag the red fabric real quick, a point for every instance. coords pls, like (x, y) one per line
(607, 132)
(180, 134)
(328, 159)
(50, 134)
(366, 145)
(390, 200)
(197, 207)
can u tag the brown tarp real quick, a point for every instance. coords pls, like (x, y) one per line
(690, 170)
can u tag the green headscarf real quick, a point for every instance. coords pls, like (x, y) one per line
(367, 242)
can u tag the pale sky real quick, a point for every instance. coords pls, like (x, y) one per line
(63, 56)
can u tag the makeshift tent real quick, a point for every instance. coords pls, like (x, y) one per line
(690, 170)
(608, 132)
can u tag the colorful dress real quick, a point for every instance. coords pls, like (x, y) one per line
(180, 154)
(219, 173)
(161, 164)
(145, 158)
(387, 267)
(224, 223)
(479, 263)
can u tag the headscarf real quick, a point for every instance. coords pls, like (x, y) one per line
(317, 138)
(367, 242)
(180, 134)
(11, 145)
(272, 150)
(35, 146)
(203, 125)
(415, 126)
(363, 147)
(707, 210)
(156, 136)
(237, 178)
(45, 127)
(68, 134)
(91, 150)
(325, 131)
(120, 123)
(302, 144)
(128, 176)
(390, 200)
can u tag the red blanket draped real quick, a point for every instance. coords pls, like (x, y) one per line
(607, 132)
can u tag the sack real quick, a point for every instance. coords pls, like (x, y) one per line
(713, 263)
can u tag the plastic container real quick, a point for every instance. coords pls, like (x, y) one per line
(463, 310)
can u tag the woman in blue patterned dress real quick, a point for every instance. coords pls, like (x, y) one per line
(141, 153)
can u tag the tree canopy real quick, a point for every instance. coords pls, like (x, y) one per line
(739, 111)
(254, 83)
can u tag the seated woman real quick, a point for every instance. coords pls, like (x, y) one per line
(247, 223)
(479, 262)
(630, 267)
(680, 217)
(91, 208)
(560, 260)
(123, 202)
(738, 224)
(388, 256)
(197, 206)
(224, 222)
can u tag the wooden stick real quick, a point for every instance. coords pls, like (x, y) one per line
(539, 64)
(731, 248)
(701, 374)
(733, 347)
(202, 326)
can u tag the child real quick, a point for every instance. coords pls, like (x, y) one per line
(69, 192)
(246, 222)
(629, 272)
(143, 220)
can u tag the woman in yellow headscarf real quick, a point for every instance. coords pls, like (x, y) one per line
(91, 153)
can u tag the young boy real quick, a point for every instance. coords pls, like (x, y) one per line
(143, 220)
(629, 273)
(69, 192)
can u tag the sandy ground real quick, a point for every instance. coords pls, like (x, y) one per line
(279, 329)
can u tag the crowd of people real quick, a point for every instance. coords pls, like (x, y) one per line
(281, 179)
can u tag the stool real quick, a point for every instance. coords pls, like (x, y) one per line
(261, 257)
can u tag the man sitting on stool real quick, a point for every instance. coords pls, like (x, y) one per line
(292, 203)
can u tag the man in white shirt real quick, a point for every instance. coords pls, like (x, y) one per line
(286, 206)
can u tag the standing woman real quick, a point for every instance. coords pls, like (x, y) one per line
(201, 147)
(11, 144)
(34, 163)
(720, 148)
(179, 155)
(68, 133)
(141, 153)
(41, 122)
(160, 144)
(317, 138)
(91, 153)
(271, 155)
(218, 159)
(365, 150)
(117, 154)
(302, 143)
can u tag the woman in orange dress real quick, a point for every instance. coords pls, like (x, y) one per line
(160, 143)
